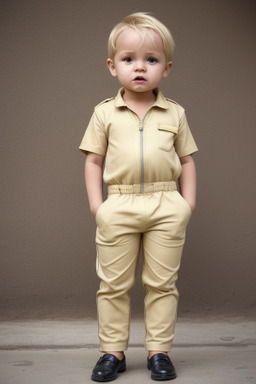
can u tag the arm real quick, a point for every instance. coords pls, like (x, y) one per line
(187, 180)
(93, 180)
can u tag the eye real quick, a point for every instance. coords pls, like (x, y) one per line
(152, 60)
(127, 60)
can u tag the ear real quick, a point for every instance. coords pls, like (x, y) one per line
(111, 67)
(167, 69)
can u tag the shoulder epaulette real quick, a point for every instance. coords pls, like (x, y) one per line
(172, 101)
(105, 101)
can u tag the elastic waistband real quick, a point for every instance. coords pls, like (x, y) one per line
(148, 188)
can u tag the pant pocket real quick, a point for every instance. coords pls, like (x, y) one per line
(101, 209)
(184, 207)
(187, 204)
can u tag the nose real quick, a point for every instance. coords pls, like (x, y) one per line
(140, 66)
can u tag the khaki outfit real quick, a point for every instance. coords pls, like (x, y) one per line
(143, 207)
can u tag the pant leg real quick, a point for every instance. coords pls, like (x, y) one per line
(118, 245)
(162, 247)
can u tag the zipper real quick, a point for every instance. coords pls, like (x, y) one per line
(142, 151)
(141, 156)
(141, 129)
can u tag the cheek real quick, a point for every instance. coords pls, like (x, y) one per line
(156, 75)
(123, 71)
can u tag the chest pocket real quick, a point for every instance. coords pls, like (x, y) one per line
(166, 136)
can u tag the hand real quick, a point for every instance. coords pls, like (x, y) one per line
(93, 180)
(192, 206)
(187, 181)
(95, 207)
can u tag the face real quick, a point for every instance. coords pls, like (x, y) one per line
(139, 67)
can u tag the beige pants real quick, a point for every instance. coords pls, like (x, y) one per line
(156, 219)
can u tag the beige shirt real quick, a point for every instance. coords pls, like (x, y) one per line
(139, 151)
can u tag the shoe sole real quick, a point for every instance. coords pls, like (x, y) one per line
(104, 380)
(162, 377)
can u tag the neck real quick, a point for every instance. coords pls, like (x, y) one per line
(139, 97)
(139, 102)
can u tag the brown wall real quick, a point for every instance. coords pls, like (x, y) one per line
(53, 72)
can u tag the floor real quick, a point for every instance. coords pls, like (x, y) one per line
(64, 352)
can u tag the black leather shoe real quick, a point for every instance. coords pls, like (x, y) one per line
(107, 368)
(161, 367)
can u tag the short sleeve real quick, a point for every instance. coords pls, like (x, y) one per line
(185, 144)
(95, 137)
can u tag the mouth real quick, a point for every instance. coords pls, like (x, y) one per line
(139, 79)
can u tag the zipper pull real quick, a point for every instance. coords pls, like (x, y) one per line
(141, 125)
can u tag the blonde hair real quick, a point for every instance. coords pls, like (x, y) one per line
(142, 23)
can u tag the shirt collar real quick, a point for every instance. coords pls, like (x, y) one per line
(160, 102)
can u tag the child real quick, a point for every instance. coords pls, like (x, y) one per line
(146, 144)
